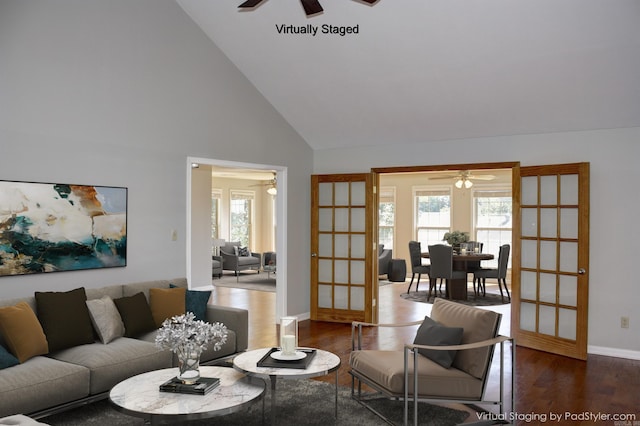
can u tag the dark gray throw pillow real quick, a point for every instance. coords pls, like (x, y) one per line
(136, 315)
(65, 318)
(432, 333)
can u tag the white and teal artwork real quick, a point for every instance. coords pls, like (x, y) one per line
(51, 227)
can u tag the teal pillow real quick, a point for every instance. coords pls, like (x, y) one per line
(196, 302)
(6, 359)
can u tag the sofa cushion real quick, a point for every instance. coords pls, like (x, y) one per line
(196, 301)
(433, 334)
(22, 332)
(136, 314)
(65, 318)
(41, 383)
(105, 318)
(6, 359)
(119, 360)
(166, 303)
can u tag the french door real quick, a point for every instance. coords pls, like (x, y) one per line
(551, 258)
(342, 248)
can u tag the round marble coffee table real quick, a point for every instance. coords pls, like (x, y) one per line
(322, 364)
(140, 396)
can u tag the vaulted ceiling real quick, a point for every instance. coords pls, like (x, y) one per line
(436, 70)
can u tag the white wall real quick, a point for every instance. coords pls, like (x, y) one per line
(615, 174)
(120, 93)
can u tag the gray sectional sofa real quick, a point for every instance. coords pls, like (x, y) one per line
(56, 381)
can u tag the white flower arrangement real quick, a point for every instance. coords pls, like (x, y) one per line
(183, 333)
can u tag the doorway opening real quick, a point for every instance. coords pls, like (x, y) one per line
(199, 234)
(461, 186)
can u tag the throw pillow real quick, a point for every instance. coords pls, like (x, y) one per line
(432, 333)
(136, 315)
(196, 302)
(106, 319)
(65, 318)
(22, 331)
(6, 359)
(166, 303)
(244, 251)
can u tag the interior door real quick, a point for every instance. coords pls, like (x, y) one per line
(342, 248)
(551, 258)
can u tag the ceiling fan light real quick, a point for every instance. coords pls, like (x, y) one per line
(272, 190)
(459, 183)
(468, 184)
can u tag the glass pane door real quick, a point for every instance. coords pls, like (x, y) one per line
(551, 296)
(341, 274)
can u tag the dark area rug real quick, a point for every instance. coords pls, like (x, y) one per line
(299, 402)
(491, 299)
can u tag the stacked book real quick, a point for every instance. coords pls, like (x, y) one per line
(203, 386)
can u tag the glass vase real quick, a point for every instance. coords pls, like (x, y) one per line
(188, 365)
(288, 335)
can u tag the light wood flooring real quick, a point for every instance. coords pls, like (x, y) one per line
(545, 383)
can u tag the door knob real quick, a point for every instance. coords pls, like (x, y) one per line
(314, 255)
(582, 271)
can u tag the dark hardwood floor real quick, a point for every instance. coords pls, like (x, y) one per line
(545, 383)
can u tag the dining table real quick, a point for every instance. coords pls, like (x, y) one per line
(469, 262)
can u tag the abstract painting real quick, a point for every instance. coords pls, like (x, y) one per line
(51, 227)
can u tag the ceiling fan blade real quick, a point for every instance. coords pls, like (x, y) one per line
(311, 7)
(481, 177)
(251, 3)
(369, 1)
(443, 177)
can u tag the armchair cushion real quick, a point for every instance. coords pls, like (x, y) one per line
(243, 251)
(433, 334)
(478, 324)
(386, 369)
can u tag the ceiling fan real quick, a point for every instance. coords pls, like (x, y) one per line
(270, 184)
(311, 7)
(464, 178)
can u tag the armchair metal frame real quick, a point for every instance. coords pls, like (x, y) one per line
(412, 350)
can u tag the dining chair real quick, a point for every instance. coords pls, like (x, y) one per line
(415, 255)
(442, 267)
(500, 273)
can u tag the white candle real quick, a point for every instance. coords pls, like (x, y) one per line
(288, 343)
(463, 251)
(475, 250)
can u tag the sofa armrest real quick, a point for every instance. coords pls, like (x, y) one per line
(235, 319)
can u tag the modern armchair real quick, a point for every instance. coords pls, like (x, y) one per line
(449, 361)
(234, 260)
(216, 266)
(384, 258)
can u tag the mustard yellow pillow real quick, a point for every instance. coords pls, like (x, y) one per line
(22, 331)
(166, 303)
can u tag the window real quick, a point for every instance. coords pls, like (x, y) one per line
(216, 196)
(241, 217)
(386, 216)
(493, 220)
(432, 216)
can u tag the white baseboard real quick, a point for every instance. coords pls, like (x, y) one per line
(614, 352)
